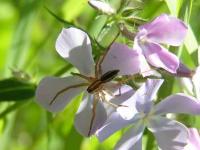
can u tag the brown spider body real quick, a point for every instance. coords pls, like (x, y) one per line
(98, 83)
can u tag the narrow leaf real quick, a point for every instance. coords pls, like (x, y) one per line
(13, 90)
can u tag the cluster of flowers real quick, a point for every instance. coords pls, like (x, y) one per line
(108, 105)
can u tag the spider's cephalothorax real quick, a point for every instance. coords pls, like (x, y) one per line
(106, 77)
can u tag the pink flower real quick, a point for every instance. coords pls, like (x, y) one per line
(162, 30)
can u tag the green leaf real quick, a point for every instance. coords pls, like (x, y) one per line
(186, 9)
(174, 6)
(13, 90)
(190, 41)
(108, 35)
(73, 8)
(11, 108)
(21, 39)
(66, 23)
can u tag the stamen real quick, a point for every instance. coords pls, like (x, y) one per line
(108, 102)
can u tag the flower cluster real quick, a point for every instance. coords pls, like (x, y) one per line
(109, 105)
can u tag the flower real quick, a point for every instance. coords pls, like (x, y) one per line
(102, 6)
(192, 85)
(194, 140)
(54, 93)
(141, 113)
(165, 30)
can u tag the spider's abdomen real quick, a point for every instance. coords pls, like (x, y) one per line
(108, 76)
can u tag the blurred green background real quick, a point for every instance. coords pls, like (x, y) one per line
(27, 51)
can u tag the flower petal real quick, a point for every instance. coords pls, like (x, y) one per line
(178, 103)
(144, 66)
(74, 45)
(102, 6)
(141, 100)
(132, 138)
(120, 94)
(169, 134)
(49, 87)
(194, 140)
(166, 29)
(160, 57)
(83, 118)
(121, 57)
(114, 123)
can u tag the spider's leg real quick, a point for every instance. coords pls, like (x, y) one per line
(65, 89)
(113, 95)
(82, 76)
(95, 101)
(110, 103)
(98, 70)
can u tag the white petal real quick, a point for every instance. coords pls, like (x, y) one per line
(83, 119)
(169, 134)
(114, 123)
(132, 140)
(102, 6)
(74, 45)
(49, 87)
(147, 93)
(196, 82)
(120, 94)
(186, 85)
(141, 100)
(194, 140)
(178, 103)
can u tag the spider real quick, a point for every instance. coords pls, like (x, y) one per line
(95, 86)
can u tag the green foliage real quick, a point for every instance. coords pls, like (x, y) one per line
(15, 90)
(29, 29)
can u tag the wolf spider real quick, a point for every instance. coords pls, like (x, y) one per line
(95, 86)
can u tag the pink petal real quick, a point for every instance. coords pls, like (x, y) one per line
(74, 45)
(166, 29)
(132, 140)
(178, 103)
(160, 57)
(169, 134)
(121, 57)
(84, 115)
(183, 71)
(145, 69)
(50, 86)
